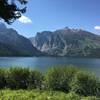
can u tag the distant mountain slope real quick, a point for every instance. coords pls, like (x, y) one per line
(13, 44)
(68, 42)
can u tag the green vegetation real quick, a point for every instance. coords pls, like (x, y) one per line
(41, 95)
(59, 78)
(86, 84)
(58, 83)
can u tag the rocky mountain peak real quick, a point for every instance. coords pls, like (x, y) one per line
(67, 42)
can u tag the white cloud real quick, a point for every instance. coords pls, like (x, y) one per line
(24, 19)
(97, 27)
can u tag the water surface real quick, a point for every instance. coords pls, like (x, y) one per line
(43, 63)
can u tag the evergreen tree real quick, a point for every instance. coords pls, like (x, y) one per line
(10, 11)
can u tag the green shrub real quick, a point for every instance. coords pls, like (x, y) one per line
(35, 80)
(86, 84)
(58, 78)
(17, 78)
(2, 78)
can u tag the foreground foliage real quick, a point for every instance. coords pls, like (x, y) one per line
(59, 78)
(9, 10)
(86, 84)
(40, 95)
(70, 82)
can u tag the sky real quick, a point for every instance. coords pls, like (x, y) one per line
(49, 15)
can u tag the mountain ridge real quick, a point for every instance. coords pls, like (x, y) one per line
(13, 44)
(67, 42)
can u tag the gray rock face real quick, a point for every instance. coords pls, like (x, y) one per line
(67, 42)
(13, 44)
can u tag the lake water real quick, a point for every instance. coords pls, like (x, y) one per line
(43, 63)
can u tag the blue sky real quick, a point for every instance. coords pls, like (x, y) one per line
(54, 14)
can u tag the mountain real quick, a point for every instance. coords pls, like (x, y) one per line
(68, 42)
(2, 26)
(13, 44)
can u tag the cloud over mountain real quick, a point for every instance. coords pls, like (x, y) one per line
(24, 19)
(97, 27)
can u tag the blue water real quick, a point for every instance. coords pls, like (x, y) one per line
(43, 63)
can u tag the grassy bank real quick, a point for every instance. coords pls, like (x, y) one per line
(58, 83)
(41, 95)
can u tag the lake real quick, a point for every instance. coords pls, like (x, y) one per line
(43, 63)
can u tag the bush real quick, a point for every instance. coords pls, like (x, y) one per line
(35, 80)
(2, 78)
(17, 78)
(86, 84)
(58, 78)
